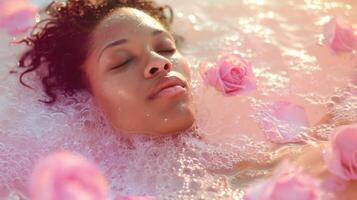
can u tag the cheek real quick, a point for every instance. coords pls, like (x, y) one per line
(116, 94)
(112, 93)
(123, 106)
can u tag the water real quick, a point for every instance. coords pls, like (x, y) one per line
(282, 40)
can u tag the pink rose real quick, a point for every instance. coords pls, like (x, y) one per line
(341, 155)
(17, 16)
(288, 182)
(284, 122)
(231, 75)
(338, 35)
(64, 175)
(134, 198)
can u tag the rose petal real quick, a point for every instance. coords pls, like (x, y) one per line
(63, 175)
(339, 36)
(284, 122)
(332, 183)
(333, 161)
(17, 16)
(288, 182)
(291, 113)
(255, 192)
(212, 78)
(340, 155)
(231, 75)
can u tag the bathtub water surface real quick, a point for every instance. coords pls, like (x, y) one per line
(282, 39)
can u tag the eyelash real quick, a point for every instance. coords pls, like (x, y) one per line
(169, 51)
(122, 64)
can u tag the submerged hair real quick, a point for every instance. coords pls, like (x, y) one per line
(58, 45)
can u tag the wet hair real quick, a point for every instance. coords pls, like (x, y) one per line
(58, 45)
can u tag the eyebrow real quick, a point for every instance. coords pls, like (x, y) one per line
(112, 44)
(122, 41)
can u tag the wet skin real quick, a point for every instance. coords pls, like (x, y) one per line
(131, 55)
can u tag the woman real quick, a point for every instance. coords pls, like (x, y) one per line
(124, 55)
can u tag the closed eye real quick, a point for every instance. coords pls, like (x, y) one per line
(168, 51)
(122, 64)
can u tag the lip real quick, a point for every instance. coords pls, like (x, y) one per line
(164, 83)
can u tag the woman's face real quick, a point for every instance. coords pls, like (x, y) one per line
(138, 77)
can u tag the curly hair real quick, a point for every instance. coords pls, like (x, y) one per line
(59, 44)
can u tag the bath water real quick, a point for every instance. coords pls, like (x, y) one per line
(282, 39)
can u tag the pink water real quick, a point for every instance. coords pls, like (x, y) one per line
(282, 39)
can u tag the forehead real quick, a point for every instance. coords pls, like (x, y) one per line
(123, 23)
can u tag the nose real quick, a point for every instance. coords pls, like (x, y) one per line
(157, 64)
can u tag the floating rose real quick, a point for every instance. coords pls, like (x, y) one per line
(341, 155)
(17, 16)
(284, 122)
(338, 35)
(288, 182)
(64, 175)
(231, 75)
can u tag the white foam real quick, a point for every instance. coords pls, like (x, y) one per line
(185, 167)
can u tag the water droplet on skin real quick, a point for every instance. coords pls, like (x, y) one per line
(196, 28)
(193, 19)
(119, 109)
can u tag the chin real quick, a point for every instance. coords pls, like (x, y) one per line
(176, 125)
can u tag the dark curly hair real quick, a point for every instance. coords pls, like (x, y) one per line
(59, 44)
